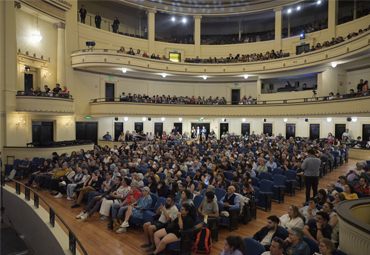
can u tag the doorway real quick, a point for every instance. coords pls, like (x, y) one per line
(246, 127)
(118, 129)
(109, 92)
(178, 127)
(224, 127)
(366, 132)
(235, 96)
(139, 126)
(42, 131)
(28, 81)
(87, 131)
(267, 128)
(339, 130)
(158, 128)
(314, 131)
(201, 125)
(289, 131)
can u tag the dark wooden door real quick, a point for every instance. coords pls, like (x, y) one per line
(87, 131)
(201, 125)
(28, 81)
(267, 128)
(118, 129)
(224, 127)
(109, 91)
(339, 130)
(178, 127)
(314, 131)
(365, 132)
(290, 131)
(139, 126)
(246, 127)
(235, 96)
(158, 128)
(42, 131)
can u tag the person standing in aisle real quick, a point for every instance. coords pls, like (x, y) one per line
(83, 13)
(97, 20)
(311, 166)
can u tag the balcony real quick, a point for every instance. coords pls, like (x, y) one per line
(304, 107)
(44, 104)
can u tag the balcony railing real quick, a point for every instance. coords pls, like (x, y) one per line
(43, 94)
(73, 240)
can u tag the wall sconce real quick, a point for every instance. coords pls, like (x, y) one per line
(25, 69)
(69, 122)
(20, 122)
(46, 73)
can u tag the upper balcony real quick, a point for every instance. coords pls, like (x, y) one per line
(303, 107)
(44, 104)
(110, 62)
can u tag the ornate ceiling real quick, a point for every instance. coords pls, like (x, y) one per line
(209, 7)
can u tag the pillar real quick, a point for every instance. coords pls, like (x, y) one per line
(197, 34)
(61, 65)
(151, 30)
(332, 18)
(354, 9)
(240, 29)
(278, 27)
(288, 25)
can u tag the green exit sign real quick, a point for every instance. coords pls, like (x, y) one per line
(87, 117)
(175, 51)
(303, 43)
(201, 119)
(236, 84)
(111, 77)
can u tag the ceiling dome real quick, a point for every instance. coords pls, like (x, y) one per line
(209, 7)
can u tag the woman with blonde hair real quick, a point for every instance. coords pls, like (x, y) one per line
(293, 218)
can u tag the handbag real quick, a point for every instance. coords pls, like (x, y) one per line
(117, 224)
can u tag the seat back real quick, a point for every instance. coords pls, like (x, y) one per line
(359, 194)
(198, 199)
(154, 200)
(228, 175)
(183, 173)
(256, 191)
(338, 252)
(339, 189)
(277, 171)
(161, 200)
(331, 198)
(220, 207)
(145, 181)
(35, 161)
(290, 174)
(279, 180)
(265, 176)
(190, 173)
(161, 176)
(255, 181)
(311, 244)
(284, 231)
(220, 193)
(253, 247)
(228, 182)
(266, 186)
(178, 207)
(41, 161)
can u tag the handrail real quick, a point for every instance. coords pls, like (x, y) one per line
(312, 99)
(27, 195)
(42, 94)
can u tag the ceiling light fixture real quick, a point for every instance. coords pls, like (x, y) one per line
(184, 20)
(163, 119)
(37, 35)
(205, 77)
(124, 70)
(289, 10)
(180, 119)
(143, 118)
(246, 76)
(298, 8)
(125, 118)
(334, 64)
(328, 119)
(285, 120)
(354, 119)
(173, 19)
(164, 75)
(243, 120)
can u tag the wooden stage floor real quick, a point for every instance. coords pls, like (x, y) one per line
(97, 240)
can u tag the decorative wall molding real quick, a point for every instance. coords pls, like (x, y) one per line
(60, 25)
(48, 7)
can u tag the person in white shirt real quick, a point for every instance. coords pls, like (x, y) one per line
(309, 211)
(293, 218)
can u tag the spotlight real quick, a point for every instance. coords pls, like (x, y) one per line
(116, 118)
(180, 119)
(285, 120)
(349, 119)
(298, 8)
(319, 2)
(163, 119)
(173, 19)
(224, 119)
(149, 119)
(205, 77)
(328, 119)
(164, 75)
(184, 20)
(302, 36)
(143, 118)
(264, 120)
(243, 120)
(306, 120)
(354, 119)
(289, 10)
(334, 64)
(125, 118)
(124, 70)
(246, 76)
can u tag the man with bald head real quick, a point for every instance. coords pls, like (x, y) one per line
(23, 166)
(230, 201)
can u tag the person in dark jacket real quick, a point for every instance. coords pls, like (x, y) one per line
(115, 25)
(97, 20)
(294, 244)
(266, 234)
(83, 13)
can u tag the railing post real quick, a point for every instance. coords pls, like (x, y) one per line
(18, 188)
(52, 216)
(27, 194)
(72, 243)
(36, 199)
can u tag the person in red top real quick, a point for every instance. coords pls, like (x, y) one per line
(119, 209)
(363, 187)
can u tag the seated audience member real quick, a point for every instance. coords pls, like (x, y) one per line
(152, 184)
(186, 198)
(294, 244)
(168, 213)
(349, 191)
(342, 181)
(234, 183)
(220, 183)
(328, 207)
(330, 189)
(359, 143)
(171, 233)
(136, 209)
(121, 138)
(353, 175)
(119, 209)
(293, 218)
(25, 165)
(96, 202)
(248, 191)
(326, 247)
(363, 187)
(162, 190)
(271, 163)
(57, 90)
(207, 209)
(40, 171)
(262, 167)
(230, 201)
(339, 197)
(276, 247)
(268, 233)
(234, 245)
(318, 228)
(92, 185)
(309, 211)
(321, 197)
(107, 137)
(80, 178)
(122, 50)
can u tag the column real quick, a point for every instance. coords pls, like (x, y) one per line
(240, 29)
(354, 9)
(332, 18)
(278, 27)
(151, 30)
(197, 33)
(61, 65)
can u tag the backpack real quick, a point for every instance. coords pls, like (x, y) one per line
(203, 242)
